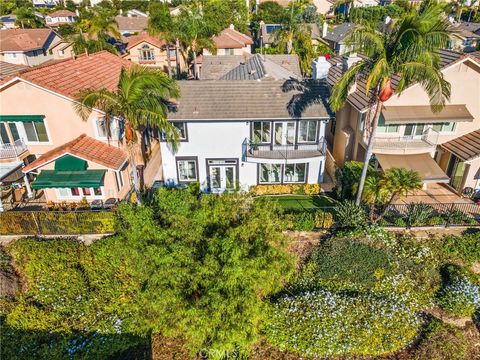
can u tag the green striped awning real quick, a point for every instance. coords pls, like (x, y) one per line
(48, 179)
(22, 118)
(70, 163)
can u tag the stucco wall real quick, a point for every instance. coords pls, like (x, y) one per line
(160, 57)
(215, 140)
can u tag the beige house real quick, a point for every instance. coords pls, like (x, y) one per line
(40, 131)
(61, 17)
(150, 51)
(32, 46)
(231, 42)
(409, 134)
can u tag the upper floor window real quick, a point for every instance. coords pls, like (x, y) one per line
(36, 131)
(229, 51)
(182, 129)
(146, 53)
(383, 128)
(262, 131)
(444, 127)
(307, 131)
(101, 127)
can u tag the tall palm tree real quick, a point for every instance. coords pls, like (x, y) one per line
(99, 24)
(406, 48)
(140, 100)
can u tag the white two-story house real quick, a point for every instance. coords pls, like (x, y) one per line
(239, 133)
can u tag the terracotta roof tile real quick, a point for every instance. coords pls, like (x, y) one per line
(68, 77)
(86, 148)
(144, 37)
(231, 39)
(23, 39)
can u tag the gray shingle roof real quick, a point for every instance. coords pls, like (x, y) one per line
(258, 67)
(358, 99)
(338, 33)
(131, 23)
(215, 67)
(7, 69)
(251, 99)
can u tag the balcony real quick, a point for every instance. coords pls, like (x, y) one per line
(426, 142)
(12, 151)
(283, 152)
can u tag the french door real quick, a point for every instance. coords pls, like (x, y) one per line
(223, 175)
(456, 170)
(284, 133)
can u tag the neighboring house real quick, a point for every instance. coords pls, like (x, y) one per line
(8, 21)
(249, 67)
(45, 3)
(465, 37)
(267, 34)
(131, 25)
(335, 38)
(68, 157)
(61, 17)
(151, 51)
(231, 42)
(240, 133)
(409, 134)
(31, 46)
(8, 70)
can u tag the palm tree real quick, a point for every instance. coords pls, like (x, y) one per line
(406, 48)
(194, 32)
(140, 100)
(100, 24)
(398, 183)
(374, 193)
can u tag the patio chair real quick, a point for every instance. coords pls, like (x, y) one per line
(96, 205)
(110, 203)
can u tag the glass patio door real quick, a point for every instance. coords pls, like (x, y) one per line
(222, 178)
(414, 131)
(284, 133)
(456, 170)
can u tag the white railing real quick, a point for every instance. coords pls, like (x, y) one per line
(427, 140)
(8, 151)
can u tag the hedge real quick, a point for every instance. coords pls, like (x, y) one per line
(297, 189)
(56, 223)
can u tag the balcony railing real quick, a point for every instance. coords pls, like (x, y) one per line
(424, 142)
(9, 151)
(293, 151)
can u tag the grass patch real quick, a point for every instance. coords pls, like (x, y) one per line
(299, 202)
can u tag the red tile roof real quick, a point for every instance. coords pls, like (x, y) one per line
(23, 39)
(86, 148)
(68, 77)
(144, 37)
(231, 39)
(62, 13)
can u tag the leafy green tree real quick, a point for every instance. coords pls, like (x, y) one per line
(99, 23)
(214, 261)
(219, 14)
(270, 12)
(140, 100)
(27, 19)
(407, 48)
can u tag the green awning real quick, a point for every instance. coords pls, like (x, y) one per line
(48, 179)
(22, 118)
(70, 163)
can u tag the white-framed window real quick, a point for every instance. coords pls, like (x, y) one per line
(35, 131)
(262, 131)
(270, 174)
(295, 173)
(182, 129)
(229, 51)
(101, 129)
(447, 127)
(386, 129)
(187, 169)
(79, 193)
(146, 53)
(307, 131)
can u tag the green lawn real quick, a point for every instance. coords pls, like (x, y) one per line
(289, 202)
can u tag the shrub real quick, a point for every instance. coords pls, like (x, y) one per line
(460, 294)
(418, 214)
(400, 222)
(298, 189)
(457, 217)
(323, 219)
(435, 220)
(303, 221)
(350, 215)
(465, 248)
(194, 188)
(322, 323)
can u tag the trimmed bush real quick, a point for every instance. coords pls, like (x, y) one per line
(297, 189)
(57, 223)
(465, 248)
(323, 323)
